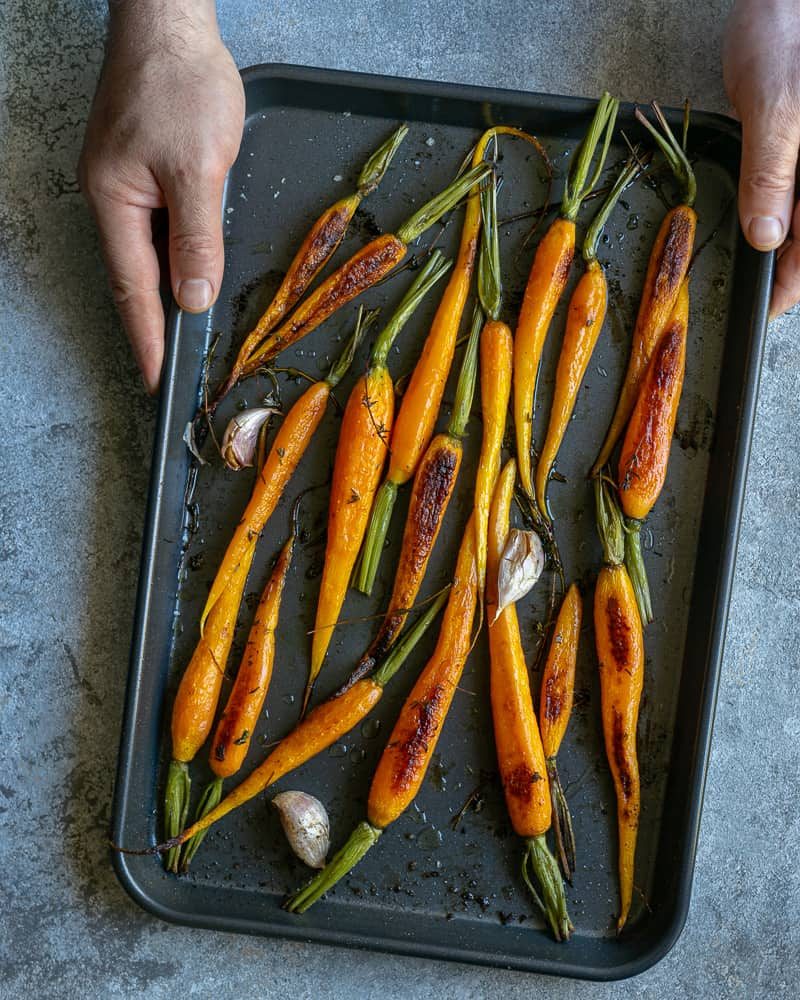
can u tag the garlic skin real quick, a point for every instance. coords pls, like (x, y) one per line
(305, 823)
(191, 444)
(241, 437)
(521, 565)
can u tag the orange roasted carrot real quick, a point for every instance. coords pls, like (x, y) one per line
(645, 449)
(405, 760)
(548, 278)
(666, 270)
(434, 483)
(585, 317)
(555, 708)
(364, 269)
(422, 398)
(323, 726)
(317, 248)
(620, 653)
(520, 754)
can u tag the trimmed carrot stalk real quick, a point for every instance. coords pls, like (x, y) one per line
(620, 653)
(555, 708)
(585, 317)
(323, 726)
(289, 446)
(360, 458)
(666, 271)
(434, 483)
(364, 269)
(548, 278)
(520, 754)
(317, 248)
(405, 760)
(422, 398)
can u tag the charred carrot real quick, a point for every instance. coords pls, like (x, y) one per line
(360, 457)
(434, 483)
(666, 270)
(585, 317)
(324, 725)
(246, 699)
(405, 760)
(317, 248)
(555, 708)
(620, 653)
(422, 398)
(288, 448)
(520, 754)
(364, 269)
(548, 278)
(645, 449)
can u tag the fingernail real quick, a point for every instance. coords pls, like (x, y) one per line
(765, 232)
(194, 294)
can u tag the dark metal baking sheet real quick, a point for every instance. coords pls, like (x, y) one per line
(428, 889)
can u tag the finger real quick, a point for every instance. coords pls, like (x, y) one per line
(766, 186)
(786, 290)
(132, 264)
(196, 255)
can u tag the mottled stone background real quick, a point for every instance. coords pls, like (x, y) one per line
(74, 466)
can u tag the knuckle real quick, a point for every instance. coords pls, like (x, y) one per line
(194, 244)
(771, 177)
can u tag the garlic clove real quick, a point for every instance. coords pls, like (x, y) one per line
(305, 823)
(521, 565)
(241, 437)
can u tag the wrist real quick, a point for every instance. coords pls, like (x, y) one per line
(134, 24)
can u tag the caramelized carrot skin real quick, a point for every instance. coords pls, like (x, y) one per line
(558, 679)
(546, 283)
(620, 652)
(360, 458)
(290, 444)
(238, 721)
(408, 753)
(520, 755)
(585, 317)
(645, 450)
(363, 270)
(496, 366)
(199, 688)
(666, 271)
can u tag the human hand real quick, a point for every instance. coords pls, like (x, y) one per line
(165, 127)
(761, 64)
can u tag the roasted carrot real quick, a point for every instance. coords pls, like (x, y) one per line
(323, 725)
(666, 270)
(555, 708)
(317, 248)
(288, 448)
(585, 317)
(422, 398)
(235, 728)
(364, 269)
(434, 483)
(360, 457)
(520, 754)
(548, 278)
(620, 653)
(405, 759)
(645, 449)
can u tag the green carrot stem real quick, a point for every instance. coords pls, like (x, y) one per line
(356, 846)
(539, 864)
(411, 637)
(209, 800)
(363, 323)
(465, 388)
(610, 526)
(435, 267)
(176, 806)
(490, 285)
(376, 166)
(562, 822)
(634, 563)
(672, 150)
(592, 238)
(441, 203)
(379, 522)
(578, 184)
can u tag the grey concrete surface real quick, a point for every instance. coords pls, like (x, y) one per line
(75, 457)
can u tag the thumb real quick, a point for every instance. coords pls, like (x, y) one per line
(196, 256)
(767, 182)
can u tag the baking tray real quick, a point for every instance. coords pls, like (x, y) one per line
(428, 889)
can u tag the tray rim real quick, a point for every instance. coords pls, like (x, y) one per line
(718, 631)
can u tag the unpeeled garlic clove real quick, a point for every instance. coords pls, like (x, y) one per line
(241, 437)
(305, 823)
(521, 565)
